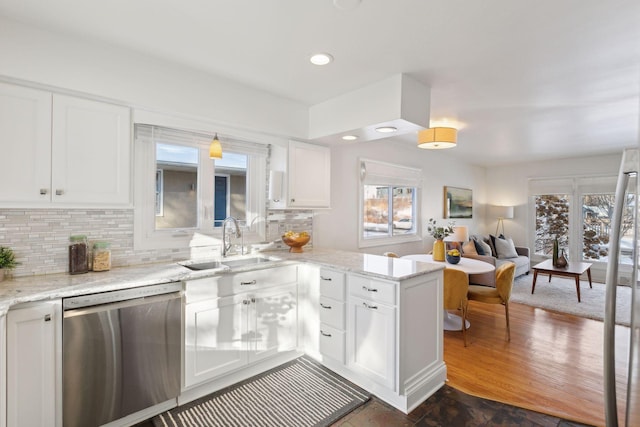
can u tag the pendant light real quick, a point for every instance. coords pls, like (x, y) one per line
(215, 148)
(437, 138)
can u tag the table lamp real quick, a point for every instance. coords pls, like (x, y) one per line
(459, 236)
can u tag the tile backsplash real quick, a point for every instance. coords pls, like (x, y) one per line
(40, 237)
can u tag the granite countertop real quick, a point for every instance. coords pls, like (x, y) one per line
(46, 287)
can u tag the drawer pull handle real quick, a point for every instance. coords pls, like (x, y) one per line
(44, 191)
(369, 289)
(324, 334)
(328, 279)
(245, 302)
(47, 318)
(59, 192)
(373, 307)
(252, 282)
(328, 307)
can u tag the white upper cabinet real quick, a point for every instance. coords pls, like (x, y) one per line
(91, 154)
(309, 176)
(25, 144)
(64, 150)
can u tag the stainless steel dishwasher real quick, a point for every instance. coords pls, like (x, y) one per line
(121, 353)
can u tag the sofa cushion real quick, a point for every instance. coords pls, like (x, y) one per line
(469, 248)
(486, 249)
(505, 248)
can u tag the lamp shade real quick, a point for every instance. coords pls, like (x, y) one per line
(215, 148)
(437, 138)
(460, 234)
(504, 212)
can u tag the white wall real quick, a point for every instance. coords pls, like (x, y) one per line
(32, 55)
(338, 226)
(508, 185)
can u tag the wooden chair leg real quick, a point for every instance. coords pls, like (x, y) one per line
(506, 312)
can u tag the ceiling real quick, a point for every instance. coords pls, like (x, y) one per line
(522, 80)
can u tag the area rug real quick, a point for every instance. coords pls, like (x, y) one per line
(560, 295)
(296, 394)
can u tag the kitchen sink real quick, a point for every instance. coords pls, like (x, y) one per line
(226, 263)
(241, 262)
(209, 265)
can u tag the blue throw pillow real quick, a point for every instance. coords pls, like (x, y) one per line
(479, 248)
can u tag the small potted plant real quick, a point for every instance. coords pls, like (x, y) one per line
(439, 233)
(7, 260)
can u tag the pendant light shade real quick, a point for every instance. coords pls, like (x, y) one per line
(215, 148)
(437, 138)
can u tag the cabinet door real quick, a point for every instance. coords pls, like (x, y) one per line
(371, 341)
(215, 338)
(25, 143)
(91, 152)
(32, 390)
(273, 322)
(309, 175)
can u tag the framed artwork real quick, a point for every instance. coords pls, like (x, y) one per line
(458, 203)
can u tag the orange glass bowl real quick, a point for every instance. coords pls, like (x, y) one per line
(296, 243)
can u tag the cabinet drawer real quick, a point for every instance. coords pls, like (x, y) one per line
(259, 279)
(332, 343)
(332, 284)
(374, 290)
(224, 284)
(332, 312)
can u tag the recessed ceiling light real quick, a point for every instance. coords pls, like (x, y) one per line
(349, 137)
(321, 59)
(386, 129)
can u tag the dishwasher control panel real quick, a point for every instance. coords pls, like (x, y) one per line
(120, 295)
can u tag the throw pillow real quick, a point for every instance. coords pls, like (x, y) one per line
(469, 248)
(492, 242)
(479, 247)
(505, 248)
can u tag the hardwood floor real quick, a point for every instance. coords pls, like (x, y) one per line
(553, 363)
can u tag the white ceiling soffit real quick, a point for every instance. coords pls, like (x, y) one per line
(399, 101)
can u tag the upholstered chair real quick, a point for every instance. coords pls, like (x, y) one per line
(498, 295)
(456, 286)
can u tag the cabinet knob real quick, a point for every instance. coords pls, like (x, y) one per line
(245, 302)
(59, 192)
(44, 191)
(293, 200)
(253, 300)
(47, 317)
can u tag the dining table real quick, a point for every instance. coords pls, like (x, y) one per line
(453, 322)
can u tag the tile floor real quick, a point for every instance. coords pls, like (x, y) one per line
(448, 407)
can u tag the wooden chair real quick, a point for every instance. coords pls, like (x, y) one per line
(498, 295)
(456, 287)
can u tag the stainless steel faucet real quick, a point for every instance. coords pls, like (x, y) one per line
(227, 245)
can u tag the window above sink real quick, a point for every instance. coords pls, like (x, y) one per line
(181, 195)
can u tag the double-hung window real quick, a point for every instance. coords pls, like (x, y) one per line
(388, 203)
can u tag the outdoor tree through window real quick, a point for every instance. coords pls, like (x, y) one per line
(552, 221)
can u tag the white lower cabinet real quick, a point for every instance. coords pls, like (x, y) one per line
(372, 338)
(33, 361)
(226, 333)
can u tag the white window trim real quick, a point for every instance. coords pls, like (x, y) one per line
(374, 172)
(204, 234)
(576, 187)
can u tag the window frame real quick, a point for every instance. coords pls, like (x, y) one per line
(146, 236)
(382, 174)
